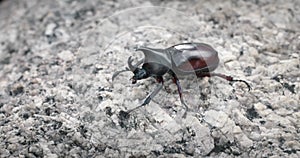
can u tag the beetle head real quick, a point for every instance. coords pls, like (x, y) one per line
(139, 73)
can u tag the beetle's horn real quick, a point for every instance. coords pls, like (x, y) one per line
(131, 67)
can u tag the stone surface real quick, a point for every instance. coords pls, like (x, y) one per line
(57, 98)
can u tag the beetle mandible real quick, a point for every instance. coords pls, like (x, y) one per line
(178, 60)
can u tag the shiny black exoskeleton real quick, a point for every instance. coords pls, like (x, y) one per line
(179, 60)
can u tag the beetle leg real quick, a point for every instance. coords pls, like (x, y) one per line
(228, 78)
(152, 94)
(176, 81)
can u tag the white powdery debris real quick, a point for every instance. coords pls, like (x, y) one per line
(66, 55)
(221, 120)
(240, 118)
(203, 142)
(165, 121)
(50, 29)
(242, 139)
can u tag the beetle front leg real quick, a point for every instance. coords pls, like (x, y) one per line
(152, 94)
(160, 80)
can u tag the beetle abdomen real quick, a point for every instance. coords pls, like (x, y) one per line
(194, 57)
(198, 65)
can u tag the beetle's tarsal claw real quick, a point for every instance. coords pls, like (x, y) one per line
(129, 111)
(247, 84)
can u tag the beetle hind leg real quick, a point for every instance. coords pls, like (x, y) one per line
(228, 78)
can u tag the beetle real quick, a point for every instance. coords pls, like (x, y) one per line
(178, 60)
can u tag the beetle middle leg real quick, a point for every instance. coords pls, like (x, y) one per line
(228, 78)
(160, 80)
(176, 81)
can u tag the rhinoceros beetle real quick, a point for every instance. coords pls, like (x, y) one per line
(178, 60)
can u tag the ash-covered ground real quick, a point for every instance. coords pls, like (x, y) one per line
(57, 98)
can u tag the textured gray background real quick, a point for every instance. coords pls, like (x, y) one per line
(57, 98)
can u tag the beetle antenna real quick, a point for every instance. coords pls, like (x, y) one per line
(118, 72)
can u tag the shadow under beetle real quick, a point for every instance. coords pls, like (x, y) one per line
(178, 60)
